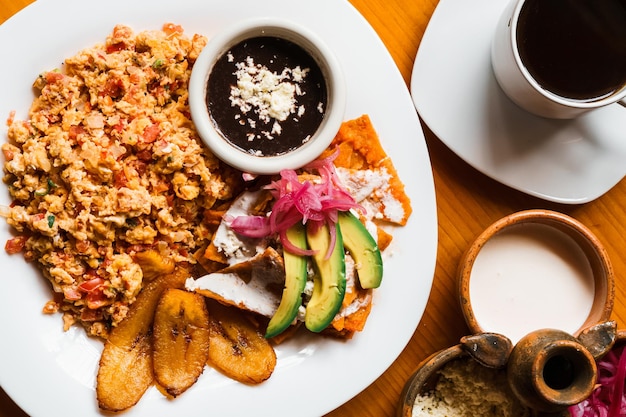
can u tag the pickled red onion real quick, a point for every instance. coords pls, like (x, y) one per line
(608, 398)
(306, 202)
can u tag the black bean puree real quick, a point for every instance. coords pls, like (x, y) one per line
(275, 54)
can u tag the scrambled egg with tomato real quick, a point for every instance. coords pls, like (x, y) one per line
(107, 166)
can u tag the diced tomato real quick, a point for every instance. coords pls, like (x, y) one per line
(53, 77)
(9, 154)
(121, 32)
(171, 28)
(151, 133)
(134, 78)
(15, 245)
(91, 285)
(75, 131)
(114, 88)
(119, 179)
(116, 47)
(96, 299)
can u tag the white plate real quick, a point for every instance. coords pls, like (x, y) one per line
(457, 96)
(49, 372)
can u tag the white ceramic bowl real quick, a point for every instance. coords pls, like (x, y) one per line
(314, 46)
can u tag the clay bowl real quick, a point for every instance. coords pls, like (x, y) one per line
(537, 295)
(424, 378)
(488, 349)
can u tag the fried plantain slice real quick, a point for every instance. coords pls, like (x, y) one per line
(237, 348)
(126, 370)
(181, 340)
(124, 374)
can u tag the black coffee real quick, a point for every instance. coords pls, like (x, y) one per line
(574, 48)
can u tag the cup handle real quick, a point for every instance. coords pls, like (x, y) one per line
(622, 102)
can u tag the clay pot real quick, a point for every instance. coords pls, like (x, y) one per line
(549, 370)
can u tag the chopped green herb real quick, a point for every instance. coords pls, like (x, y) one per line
(157, 64)
(51, 219)
(49, 186)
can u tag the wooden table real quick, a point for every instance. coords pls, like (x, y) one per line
(467, 202)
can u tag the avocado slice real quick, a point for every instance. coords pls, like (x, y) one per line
(363, 249)
(295, 280)
(329, 284)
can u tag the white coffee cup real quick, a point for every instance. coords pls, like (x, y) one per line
(521, 87)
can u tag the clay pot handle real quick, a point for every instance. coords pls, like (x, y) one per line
(600, 338)
(489, 349)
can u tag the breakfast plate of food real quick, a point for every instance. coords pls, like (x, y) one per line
(565, 161)
(145, 275)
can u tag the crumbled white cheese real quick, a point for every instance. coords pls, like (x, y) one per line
(270, 95)
(371, 189)
(276, 128)
(234, 247)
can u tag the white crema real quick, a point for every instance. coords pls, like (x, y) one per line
(529, 277)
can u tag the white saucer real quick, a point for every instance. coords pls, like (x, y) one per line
(457, 96)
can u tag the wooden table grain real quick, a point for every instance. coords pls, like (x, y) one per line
(467, 202)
